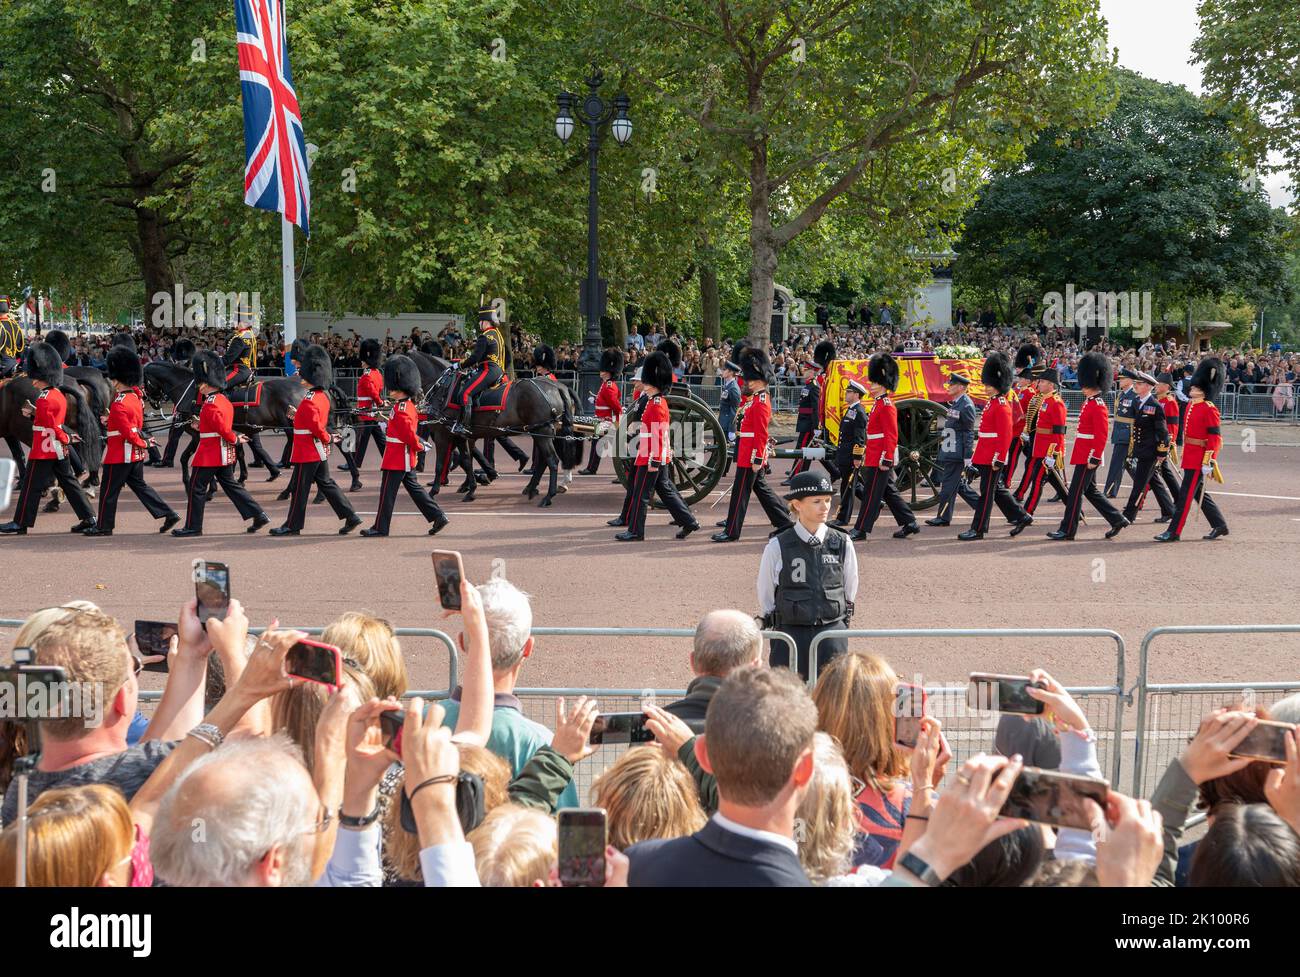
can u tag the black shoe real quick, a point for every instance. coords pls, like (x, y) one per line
(340, 468)
(372, 531)
(615, 522)
(320, 497)
(170, 521)
(187, 532)
(837, 524)
(522, 464)
(438, 526)
(1161, 519)
(723, 537)
(525, 471)
(1216, 532)
(858, 536)
(1114, 530)
(936, 522)
(721, 524)
(784, 482)
(1166, 537)
(1022, 525)
(970, 534)
(350, 525)
(585, 471)
(687, 530)
(82, 526)
(96, 531)
(629, 537)
(1058, 534)
(13, 529)
(615, 481)
(911, 529)
(778, 531)
(259, 522)
(284, 531)
(1059, 498)
(282, 497)
(356, 486)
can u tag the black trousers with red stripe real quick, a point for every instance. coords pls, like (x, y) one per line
(1083, 485)
(1008, 473)
(305, 475)
(366, 430)
(643, 483)
(1187, 498)
(1147, 479)
(753, 481)
(994, 490)
(1037, 474)
(802, 464)
(41, 473)
(392, 480)
(879, 486)
(117, 477)
(201, 480)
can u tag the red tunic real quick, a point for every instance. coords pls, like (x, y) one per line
(1170, 403)
(882, 433)
(1090, 438)
(217, 438)
(402, 444)
(370, 394)
(608, 403)
(993, 440)
(124, 445)
(654, 446)
(48, 436)
(1202, 434)
(754, 432)
(1049, 428)
(820, 380)
(310, 438)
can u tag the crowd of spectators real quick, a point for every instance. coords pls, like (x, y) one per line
(244, 775)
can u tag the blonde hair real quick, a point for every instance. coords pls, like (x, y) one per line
(370, 642)
(855, 703)
(297, 711)
(91, 648)
(826, 824)
(647, 794)
(514, 847)
(74, 836)
(35, 625)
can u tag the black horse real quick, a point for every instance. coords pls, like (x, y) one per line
(274, 405)
(534, 406)
(16, 429)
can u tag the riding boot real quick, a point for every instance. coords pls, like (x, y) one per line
(461, 426)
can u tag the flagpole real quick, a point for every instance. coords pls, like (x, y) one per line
(290, 294)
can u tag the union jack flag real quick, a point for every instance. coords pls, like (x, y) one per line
(275, 173)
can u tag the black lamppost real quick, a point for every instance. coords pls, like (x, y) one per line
(595, 112)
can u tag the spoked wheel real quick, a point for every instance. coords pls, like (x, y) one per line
(920, 433)
(699, 450)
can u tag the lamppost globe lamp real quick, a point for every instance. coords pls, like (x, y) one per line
(564, 118)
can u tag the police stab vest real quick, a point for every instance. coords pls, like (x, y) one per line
(810, 590)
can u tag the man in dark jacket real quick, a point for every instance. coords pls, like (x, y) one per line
(724, 641)
(760, 750)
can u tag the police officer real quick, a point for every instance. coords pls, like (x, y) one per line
(1121, 432)
(808, 577)
(956, 449)
(1147, 448)
(483, 368)
(849, 451)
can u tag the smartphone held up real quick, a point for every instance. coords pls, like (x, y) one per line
(448, 572)
(211, 590)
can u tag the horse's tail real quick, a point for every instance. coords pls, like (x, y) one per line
(87, 427)
(568, 445)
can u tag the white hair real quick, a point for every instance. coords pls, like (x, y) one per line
(509, 619)
(230, 808)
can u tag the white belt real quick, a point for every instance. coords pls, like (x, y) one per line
(988, 434)
(210, 434)
(47, 430)
(1084, 437)
(297, 431)
(393, 440)
(746, 434)
(872, 437)
(114, 434)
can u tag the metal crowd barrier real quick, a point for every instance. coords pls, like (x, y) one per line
(971, 732)
(1162, 732)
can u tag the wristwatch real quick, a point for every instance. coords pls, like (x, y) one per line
(356, 824)
(920, 868)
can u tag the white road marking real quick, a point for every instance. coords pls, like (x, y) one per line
(1250, 495)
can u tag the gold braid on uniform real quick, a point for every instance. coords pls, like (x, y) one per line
(1031, 415)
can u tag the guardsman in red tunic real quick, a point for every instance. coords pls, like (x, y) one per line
(1165, 395)
(654, 455)
(1090, 440)
(992, 447)
(640, 400)
(608, 406)
(370, 397)
(48, 460)
(1202, 442)
(752, 435)
(402, 448)
(1047, 450)
(1028, 358)
(880, 455)
(126, 447)
(215, 458)
(311, 441)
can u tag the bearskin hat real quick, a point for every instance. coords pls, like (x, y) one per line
(823, 353)
(125, 340)
(1028, 356)
(401, 373)
(208, 368)
(544, 357)
(59, 340)
(431, 347)
(183, 351)
(883, 369)
(1208, 377)
(1094, 372)
(657, 371)
(737, 351)
(315, 368)
(44, 363)
(755, 365)
(298, 350)
(996, 373)
(671, 350)
(124, 366)
(370, 350)
(611, 362)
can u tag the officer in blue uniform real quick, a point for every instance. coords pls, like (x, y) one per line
(1121, 431)
(956, 448)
